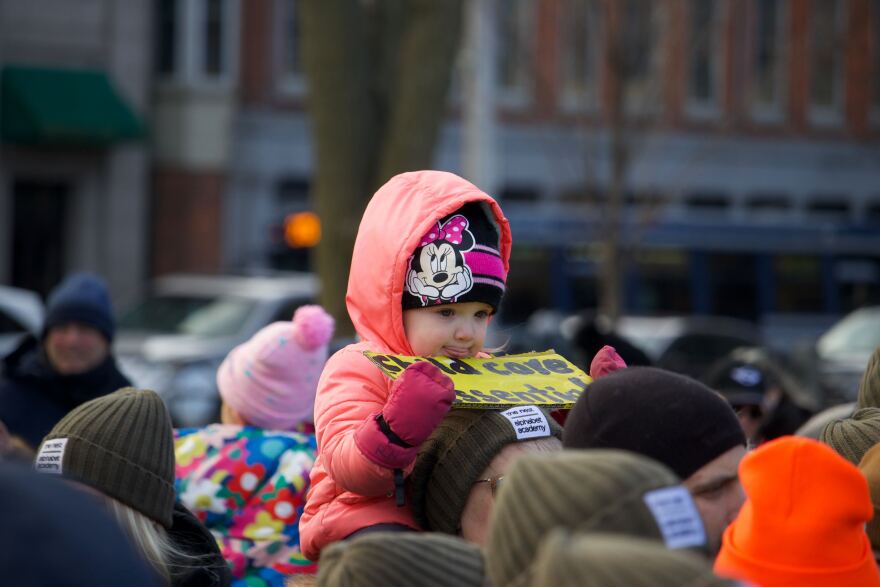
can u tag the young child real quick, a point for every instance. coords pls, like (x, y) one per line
(246, 478)
(428, 271)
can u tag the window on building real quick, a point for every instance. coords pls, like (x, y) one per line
(516, 33)
(767, 57)
(826, 59)
(642, 52)
(707, 202)
(768, 203)
(875, 48)
(580, 27)
(166, 33)
(663, 284)
(214, 24)
(291, 74)
(836, 209)
(703, 46)
(798, 280)
(195, 40)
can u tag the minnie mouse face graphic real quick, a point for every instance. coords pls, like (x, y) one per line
(438, 273)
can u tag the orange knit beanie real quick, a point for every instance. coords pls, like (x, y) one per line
(803, 522)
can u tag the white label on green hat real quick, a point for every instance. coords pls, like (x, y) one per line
(51, 456)
(677, 517)
(528, 422)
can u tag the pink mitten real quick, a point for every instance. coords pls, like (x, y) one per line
(606, 361)
(419, 400)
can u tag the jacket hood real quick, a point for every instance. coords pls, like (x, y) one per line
(398, 215)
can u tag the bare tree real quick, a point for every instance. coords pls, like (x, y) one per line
(378, 72)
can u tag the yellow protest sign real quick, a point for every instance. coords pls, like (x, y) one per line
(543, 379)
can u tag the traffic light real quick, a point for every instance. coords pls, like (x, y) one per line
(302, 230)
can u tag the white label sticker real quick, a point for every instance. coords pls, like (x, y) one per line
(528, 421)
(676, 516)
(51, 456)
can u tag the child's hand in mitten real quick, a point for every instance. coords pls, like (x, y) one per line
(606, 361)
(420, 398)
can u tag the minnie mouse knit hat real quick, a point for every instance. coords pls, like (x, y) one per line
(457, 261)
(271, 380)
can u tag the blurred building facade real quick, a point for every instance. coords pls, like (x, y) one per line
(752, 130)
(74, 165)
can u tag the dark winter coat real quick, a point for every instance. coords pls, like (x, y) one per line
(34, 397)
(207, 568)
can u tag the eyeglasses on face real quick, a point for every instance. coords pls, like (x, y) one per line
(494, 483)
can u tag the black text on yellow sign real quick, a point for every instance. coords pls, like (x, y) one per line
(543, 379)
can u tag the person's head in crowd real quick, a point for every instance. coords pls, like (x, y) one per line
(869, 388)
(610, 491)
(870, 468)
(54, 535)
(813, 427)
(463, 464)
(593, 330)
(767, 400)
(120, 446)
(270, 381)
(396, 559)
(568, 559)
(79, 324)
(852, 437)
(803, 522)
(13, 448)
(674, 420)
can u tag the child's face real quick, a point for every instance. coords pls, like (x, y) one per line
(452, 330)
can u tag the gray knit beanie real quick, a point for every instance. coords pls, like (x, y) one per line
(853, 437)
(401, 559)
(869, 388)
(609, 560)
(605, 490)
(456, 454)
(120, 444)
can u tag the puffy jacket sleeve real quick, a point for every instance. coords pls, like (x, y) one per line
(350, 391)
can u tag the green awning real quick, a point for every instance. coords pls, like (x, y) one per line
(40, 106)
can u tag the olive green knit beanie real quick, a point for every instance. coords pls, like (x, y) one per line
(457, 453)
(120, 444)
(600, 490)
(609, 560)
(869, 389)
(853, 437)
(401, 559)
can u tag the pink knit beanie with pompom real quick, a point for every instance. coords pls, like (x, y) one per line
(271, 379)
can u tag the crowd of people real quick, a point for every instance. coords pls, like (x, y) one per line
(326, 471)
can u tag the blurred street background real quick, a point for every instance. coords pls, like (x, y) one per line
(669, 167)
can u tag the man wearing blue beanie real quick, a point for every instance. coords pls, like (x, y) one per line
(70, 364)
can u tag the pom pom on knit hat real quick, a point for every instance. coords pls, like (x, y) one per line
(271, 379)
(402, 559)
(121, 444)
(803, 521)
(610, 491)
(608, 560)
(853, 437)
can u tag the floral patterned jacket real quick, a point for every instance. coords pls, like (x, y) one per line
(248, 486)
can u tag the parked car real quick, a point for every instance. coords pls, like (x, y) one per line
(174, 340)
(21, 313)
(843, 352)
(684, 344)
